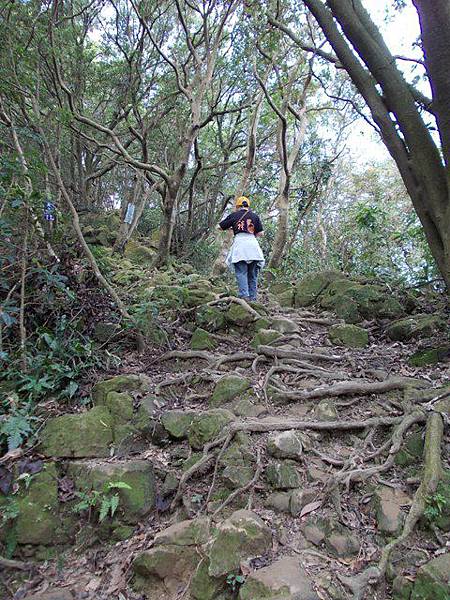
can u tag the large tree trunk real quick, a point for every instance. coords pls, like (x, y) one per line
(407, 138)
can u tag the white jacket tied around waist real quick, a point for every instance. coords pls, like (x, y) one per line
(245, 247)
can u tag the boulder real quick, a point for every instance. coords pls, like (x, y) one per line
(417, 326)
(139, 254)
(285, 578)
(348, 335)
(388, 504)
(353, 301)
(185, 533)
(227, 388)
(433, 580)
(235, 477)
(300, 498)
(88, 434)
(278, 501)
(283, 475)
(205, 587)
(134, 503)
(286, 299)
(342, 543)
(162, 571)
(207, 426)
(120, 383)
(210, 318)
(246, 408)
(285, 325)
(308, 289)
(38, 520)
(202, 340)
(146, 421)
(178, 422)
(326, 411)
(285, 444)
(239, 315)
(265, 337)
(240, 537)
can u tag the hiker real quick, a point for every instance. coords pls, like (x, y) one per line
(245, 255)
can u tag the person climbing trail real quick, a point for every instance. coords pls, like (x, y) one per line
(245, 256)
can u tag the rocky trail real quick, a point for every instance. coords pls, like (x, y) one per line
(294, 449)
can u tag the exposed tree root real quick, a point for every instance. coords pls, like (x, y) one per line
(349, 388)
(270, 424)
(297, 354)
(237, 357)
(245, 487)
(189, 355)
(432, 474)
(361, 474)
(7, 563)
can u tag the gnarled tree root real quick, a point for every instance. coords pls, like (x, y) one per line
(432, 474)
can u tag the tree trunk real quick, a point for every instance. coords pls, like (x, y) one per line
(282, 202)
(413, 149)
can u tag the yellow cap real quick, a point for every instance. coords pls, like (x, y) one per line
(240, 201)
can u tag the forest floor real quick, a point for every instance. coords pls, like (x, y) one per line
(300, 382)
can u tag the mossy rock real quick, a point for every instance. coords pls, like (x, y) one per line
(284, 579)
(120, 383)
(207, 426)
(185, 533)
(163, 570)
(265, 337)
(261, 323)
(417, 326)
(241, 537)
(432, 580)
(348, 335)
(285, 444)
(236, 477)
(239, 315)
(283, 475)
(210, 318)
(429, 356)
(205, 587)
(354, 302)
(202, 340)
(196, 297)
(178, 422)
(88, 434)
(135, 502)
(286, 299)
(169, 296)
(285, 325)
(227, 388)
(308, 289)
(401, 588)
(39, 520)
(139, 254)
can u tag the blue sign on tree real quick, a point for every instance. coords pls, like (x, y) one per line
(49, 211)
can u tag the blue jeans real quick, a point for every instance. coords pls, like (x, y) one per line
(247, 278)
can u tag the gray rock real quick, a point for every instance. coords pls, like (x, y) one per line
(285, 444)
(285, 578)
